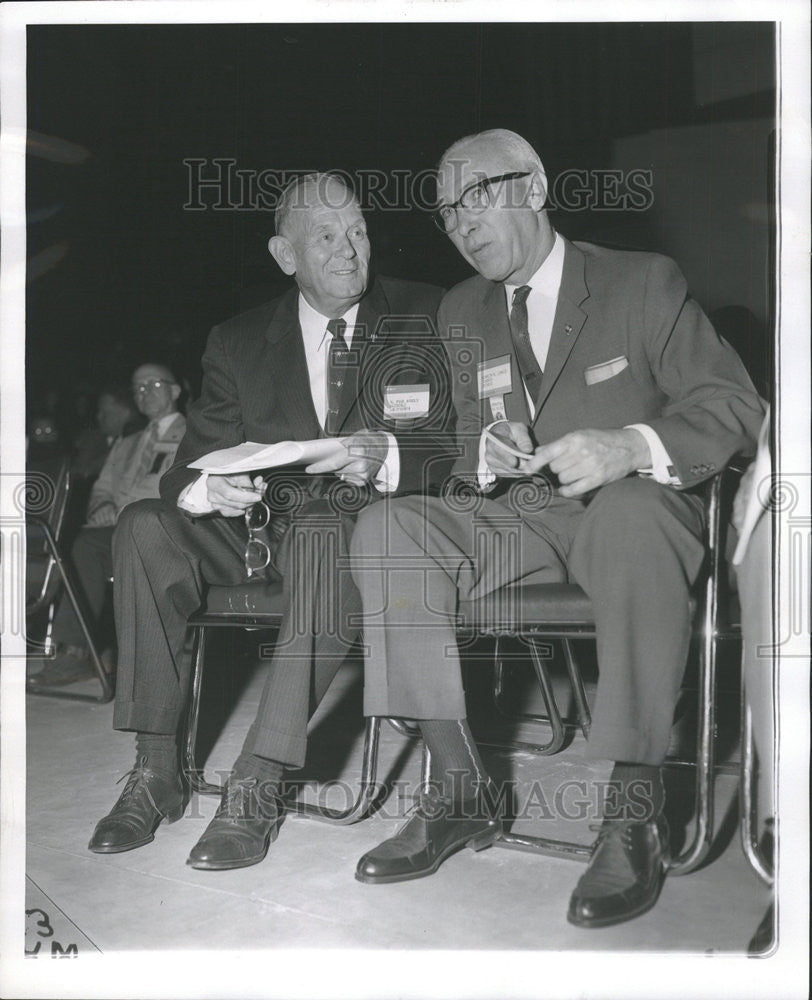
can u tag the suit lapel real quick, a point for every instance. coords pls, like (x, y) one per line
(567, 323)
(496, 324)
(289, 369)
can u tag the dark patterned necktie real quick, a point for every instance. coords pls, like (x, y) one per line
(528, 363)
(337, 358)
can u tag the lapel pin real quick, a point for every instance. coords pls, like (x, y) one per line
(567, 328)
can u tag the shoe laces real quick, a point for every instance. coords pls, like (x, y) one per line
(609, 868)
(242, 800)
(138, 779)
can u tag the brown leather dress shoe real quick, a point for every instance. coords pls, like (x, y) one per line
(625, 874)
(247, 821)
(435, 831)
(148, 799)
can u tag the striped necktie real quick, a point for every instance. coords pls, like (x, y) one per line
(528, 363)
(336, 372)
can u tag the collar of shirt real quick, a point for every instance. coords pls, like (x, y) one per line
(547, 279)
(545, 285)
(163, 422)
(314, 326)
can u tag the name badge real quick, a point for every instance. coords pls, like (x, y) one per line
(494, 377)
(405, 402)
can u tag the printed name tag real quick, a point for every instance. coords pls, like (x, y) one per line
(494, 377)
(405, 402)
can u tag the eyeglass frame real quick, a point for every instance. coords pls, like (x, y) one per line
(152, 385)
(253, 539)
(484, 184)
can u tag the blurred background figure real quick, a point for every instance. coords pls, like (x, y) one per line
(116, 416)
(130, 472)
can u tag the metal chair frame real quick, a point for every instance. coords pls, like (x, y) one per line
(711, 629)
(57, 569)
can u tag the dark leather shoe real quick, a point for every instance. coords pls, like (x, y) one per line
(245, 824)
(71, 664)
(148, 799)
(625, 874)
(435, 831)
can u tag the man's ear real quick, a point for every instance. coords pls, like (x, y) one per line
(538, 190)
(282, 252)
(176, 391)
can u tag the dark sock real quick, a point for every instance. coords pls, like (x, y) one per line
(160, 751)
(267, 772)
(635, 792)
(455, 760)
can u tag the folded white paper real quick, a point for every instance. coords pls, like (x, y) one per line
(250, 456)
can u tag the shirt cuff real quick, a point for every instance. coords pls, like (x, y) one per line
(388, 476)
(485, 477)
(194, 498)
(662, 468)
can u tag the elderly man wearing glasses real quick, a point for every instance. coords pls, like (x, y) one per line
(131, 472)
(340, 355)
(592, 397)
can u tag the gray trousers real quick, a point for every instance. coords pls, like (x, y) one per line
(636, 548)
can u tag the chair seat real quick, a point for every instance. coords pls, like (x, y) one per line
(516, 609)
(511, 610)
(260, 600)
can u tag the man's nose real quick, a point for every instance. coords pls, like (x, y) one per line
(466, 222)
(347, 248)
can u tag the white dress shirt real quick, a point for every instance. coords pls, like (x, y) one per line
(542, 302)
(316, 338)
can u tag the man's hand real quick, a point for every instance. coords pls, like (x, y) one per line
(231, 496)
(500, 461)
(360, 459)
(587, 459)
(104, 516)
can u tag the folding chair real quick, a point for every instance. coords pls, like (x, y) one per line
(47, 570)
(534, 614)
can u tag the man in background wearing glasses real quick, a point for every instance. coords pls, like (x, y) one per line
(131, 471)
(339, 355)
(592, 398)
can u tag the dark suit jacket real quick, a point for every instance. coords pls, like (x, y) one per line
(255, 384)
(670, 369)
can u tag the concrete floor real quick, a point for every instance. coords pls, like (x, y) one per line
(303, 895)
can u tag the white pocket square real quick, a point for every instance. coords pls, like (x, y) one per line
(605, 370)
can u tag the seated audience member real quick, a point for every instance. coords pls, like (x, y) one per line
(116, 416)
(593, 397)
(340, 355)
(131, 472)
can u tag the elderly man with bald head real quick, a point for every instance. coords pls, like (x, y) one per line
(342, 354)
(131, 471)
(592, 398)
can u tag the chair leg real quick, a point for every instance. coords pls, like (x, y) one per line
(368, 790)
(553, 716)
(697, 849)
(195, 774)
(104, 678)
(578, 692)
(748, 829)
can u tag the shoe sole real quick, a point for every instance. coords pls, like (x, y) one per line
(222, 866)
(629, 915)
(478, 842)
(170, 817)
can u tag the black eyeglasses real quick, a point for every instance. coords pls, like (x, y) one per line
(257, 552)
(475, 198)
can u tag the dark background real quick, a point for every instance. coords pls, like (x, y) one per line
(120, 272)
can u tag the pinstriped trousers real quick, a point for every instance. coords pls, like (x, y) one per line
(164, 561)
